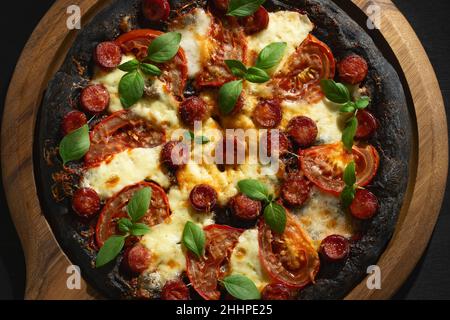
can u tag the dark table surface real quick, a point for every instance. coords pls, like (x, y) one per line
(431, 277)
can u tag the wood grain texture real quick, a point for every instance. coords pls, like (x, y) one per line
(47, 264)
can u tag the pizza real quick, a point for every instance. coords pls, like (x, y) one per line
(219, 149)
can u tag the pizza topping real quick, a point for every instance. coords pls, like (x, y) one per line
(175, 290)
(364, 205)
(85, 202)
(241, 287)
(203, 197)
(367, 125)
(245, 208)
(174, 154)
(136, 259)
(72, 121)
(228, 151)
(275, 142)
(194, 238)
(156, 10)
(352, 69)
(107, 55)
(302, 130)
(221, 5)
(94, 98)
(75, 144)
(267, 114)
(193, 109)
(256, 22)
(334, 248)
(276, 291)
(295, 189)
(239, 8)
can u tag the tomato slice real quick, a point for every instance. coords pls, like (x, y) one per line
(115, 208)
(288, 258)
(174, 72)
(204, 273)
(118, 132)
(324, 165)
(311, 62)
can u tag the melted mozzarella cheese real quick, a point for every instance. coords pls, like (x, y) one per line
(245, 259)
(125, 168)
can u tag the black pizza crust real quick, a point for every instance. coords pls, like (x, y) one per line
(335, 28)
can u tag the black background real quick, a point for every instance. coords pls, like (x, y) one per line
(431, 277)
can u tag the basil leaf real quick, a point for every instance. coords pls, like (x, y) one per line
(236, 67)
(275, 217)
(188, 136)
(131, 88)
(257, 75)
(334, 91)
(75, 144)
(243, 8)
(271, 55)
(228, 95)
(347, 195)
(201, 140)
(194, 238)
(164, 47)
(129, 66)
(253, 189)
(241, 287)
(111, 248)
(139, 229)
(362, 102)
(349, 176)
(124, 225)
(349, 133)
(348, 107)
(150, 69)
(139, 203)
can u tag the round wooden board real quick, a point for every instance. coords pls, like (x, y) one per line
(43, 54)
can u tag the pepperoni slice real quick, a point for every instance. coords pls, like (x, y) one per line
(174, 154)
(276, 291)
(120, 131)
(275, 142)
(302, 130)
(193, 109)
(114, 209)
(107, 55)
(267, 114)
(221, 5)
(203, 197)
(256, 22)
(156, 10)
(334, 248)
(367, 125)
(136, 259)
(295, 189)
(175, 290)
(72, 121)
(245, 208)
(230, 151)
(364, 205)
(94, 98)
(353, 69)
(205, 272)
(85, 202)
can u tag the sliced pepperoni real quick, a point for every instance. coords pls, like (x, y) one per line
(302, 130)
(367, 124)
(276, 291)
(156, 10)
(334, 248)
(72, 121)
(107, 55)
(94, 98)
(193, 109)
(364, 205)
(175, 290)
(295, 189)
(256, 22)
(174, 154)
(203, 197)
(267, 114)
(245, 208)
(353, 69)
(221, 5)
(136, 259)
(85, 202)
(230, 151)
(275, 142)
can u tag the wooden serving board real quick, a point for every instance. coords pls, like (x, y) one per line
(43, 54)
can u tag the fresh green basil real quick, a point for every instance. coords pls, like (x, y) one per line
(270, 55)
(349, 133)
(150, 69)
(347, 195)
(138, 205)
(241, 287)
(111, 248)
(131, 88)
(243, 8)
(362, 102)
(236, 67)
(228, 95)
(257, 75)
(139, 229)
(75, 144)
(201, 140)
(164, 47)
(335, 92)
(348, 107)
(124, 225)
(254, 189)
(194, 238)
(275, 217)
(349, 176)
(129, 66)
